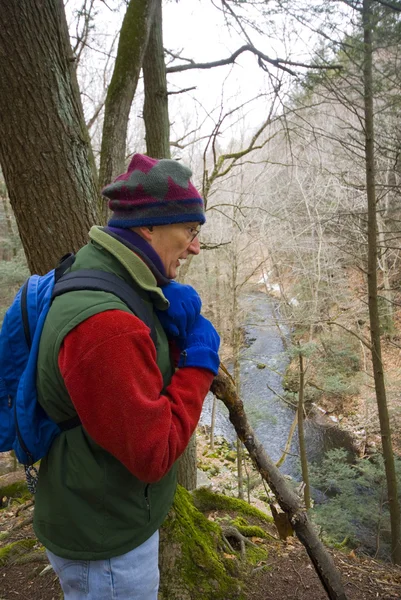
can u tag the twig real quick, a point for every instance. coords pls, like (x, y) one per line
(299, 575)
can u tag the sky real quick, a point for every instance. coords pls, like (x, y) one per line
(198, 30)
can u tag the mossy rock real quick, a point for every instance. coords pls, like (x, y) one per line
(12, 551)
(191, 565)
(290, 380)
(231, 456)
(205, 499)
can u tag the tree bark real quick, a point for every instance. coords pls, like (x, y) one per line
(301, 433)
(155, 109)
(132, 44)
(385, 430)
(45, 152)
(9, 226)
(187, 475)
(224, 388)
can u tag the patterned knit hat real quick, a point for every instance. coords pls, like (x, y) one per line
(154, 192)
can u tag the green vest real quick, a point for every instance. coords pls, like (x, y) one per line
(88, 506)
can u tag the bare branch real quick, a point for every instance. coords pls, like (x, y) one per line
(279, 63)
(182, 91)
(363, 340)
(96, 113)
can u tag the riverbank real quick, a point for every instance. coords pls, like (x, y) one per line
(339, 380)
(287, 571)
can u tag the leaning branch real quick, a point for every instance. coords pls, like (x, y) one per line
(224, 388)
(279, 63)
(362, 339)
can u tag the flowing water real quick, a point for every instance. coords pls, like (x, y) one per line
(263, 363)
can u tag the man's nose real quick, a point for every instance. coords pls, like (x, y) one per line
(194, 246)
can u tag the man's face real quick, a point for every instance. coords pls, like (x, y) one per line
(174, 243)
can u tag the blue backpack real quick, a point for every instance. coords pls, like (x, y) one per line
(24, 425)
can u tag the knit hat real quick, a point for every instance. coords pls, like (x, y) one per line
(154, 192)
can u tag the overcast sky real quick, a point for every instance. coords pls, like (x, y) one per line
(197, 28)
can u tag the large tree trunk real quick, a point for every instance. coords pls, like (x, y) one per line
(44, 146)
(132, 44)
(155, 109)
(395, 517)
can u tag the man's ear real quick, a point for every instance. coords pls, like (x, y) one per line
(145, 232)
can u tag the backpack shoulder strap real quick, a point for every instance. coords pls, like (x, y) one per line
(24, 314)
(103, 281)
(64, 263)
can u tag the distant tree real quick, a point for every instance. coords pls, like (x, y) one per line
(378, 371)
(134, 36)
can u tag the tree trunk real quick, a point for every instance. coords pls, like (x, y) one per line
(155, 108)
(395, 517)
(132, 44)
(387, 319)
(187, 475)
(237, 378)
(44, 145)
(301, 434)
(213, 423)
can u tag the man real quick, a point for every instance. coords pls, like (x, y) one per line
(106, 486)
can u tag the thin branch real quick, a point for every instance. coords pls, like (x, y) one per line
(364, 341)
(182, 91)
(95, 115)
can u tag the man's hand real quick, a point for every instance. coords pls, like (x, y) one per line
(185, 307)
(201, 346)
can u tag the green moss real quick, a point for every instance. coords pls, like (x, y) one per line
(248, 530)
(255, 554)
(205, 499)
(15, 549)
(191, 566)
(344, 545)
(231, 456)
(17, 490)
(34, 556)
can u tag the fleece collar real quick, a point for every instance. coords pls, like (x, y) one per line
(135, 266)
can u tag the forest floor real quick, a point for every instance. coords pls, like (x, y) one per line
(286, 572)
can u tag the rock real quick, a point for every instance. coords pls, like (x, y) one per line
(202, 480)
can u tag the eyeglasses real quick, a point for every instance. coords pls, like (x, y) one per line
(193, 232)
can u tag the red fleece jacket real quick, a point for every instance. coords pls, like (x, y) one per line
(108, 364)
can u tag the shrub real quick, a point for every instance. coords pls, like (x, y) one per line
(355, 506)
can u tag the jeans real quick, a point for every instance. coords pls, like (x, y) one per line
(132, 576)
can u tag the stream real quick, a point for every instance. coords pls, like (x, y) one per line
(268, 414)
